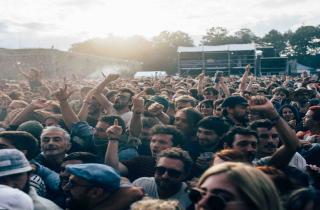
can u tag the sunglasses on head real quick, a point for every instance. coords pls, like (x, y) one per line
(160, 170)
(214, 202)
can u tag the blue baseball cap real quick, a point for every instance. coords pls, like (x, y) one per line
(98, 174)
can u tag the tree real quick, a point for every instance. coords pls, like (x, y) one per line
(305, 40)
(165, 50)
(276, 39)
(244, 36)
(217, 36)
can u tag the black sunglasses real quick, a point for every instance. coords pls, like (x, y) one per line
(160, 170)
(214, 201)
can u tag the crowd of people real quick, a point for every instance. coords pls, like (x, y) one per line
(180, 143)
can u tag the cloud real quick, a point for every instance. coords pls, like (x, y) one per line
(82, 3)
(83, 19)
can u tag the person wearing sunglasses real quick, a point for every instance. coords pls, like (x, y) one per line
(172, 168)
(93, 186)
(234, 186)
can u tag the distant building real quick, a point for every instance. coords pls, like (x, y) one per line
(231, 59)
(150, 74)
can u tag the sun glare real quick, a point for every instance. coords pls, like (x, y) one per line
(123, 18)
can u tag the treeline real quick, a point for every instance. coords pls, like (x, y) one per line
(160, 53)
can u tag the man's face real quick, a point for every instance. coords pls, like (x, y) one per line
(169, 173)
(246, 144)
(122, 101)
(280, 96)
(307, 120)
(77, 191)
(160, 142)
(19, 181)
(64, 176)
(100, 130)
(51, 122)
(181, 122)
(268, 141)
(240, 112)
(54, 143)
(302, 98)
(210, 95)
(94, 107)
(207, 138)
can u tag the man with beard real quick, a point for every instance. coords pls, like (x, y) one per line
(101, 138)
(173, 166)
(235, 111)
(55, 182)
(15, 172)
(55, 142)
(122, 103)
(162, 137)
(301, 97)
(311, 137)
(97, 187)
(246, 140)
(268, 143)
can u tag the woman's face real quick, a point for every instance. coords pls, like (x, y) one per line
(206, 109)
(219, 185)
(287, 114)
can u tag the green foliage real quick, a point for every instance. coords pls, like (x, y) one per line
(305, 40)
(160, 53)
(220, 36)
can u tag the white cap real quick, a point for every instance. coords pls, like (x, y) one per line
(14, 199)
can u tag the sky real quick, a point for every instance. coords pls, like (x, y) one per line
(60, 23)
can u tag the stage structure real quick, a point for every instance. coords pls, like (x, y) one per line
(230, 59)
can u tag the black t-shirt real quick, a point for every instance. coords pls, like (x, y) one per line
(141, 166)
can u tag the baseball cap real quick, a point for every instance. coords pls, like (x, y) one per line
(14, 199)
(33, 127)
(233, 101)
(99, 174)
(12, 161)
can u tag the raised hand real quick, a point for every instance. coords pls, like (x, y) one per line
(247, 68)
(263, 105)
(155, 109)
(111, 77)
(40, 103)
(115, 131)
(89, 96)
(201, 76)
(62, 94)
(138, 103)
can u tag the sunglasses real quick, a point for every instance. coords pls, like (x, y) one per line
(214, 201)
(160, 170)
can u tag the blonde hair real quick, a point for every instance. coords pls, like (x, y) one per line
(156, 204)
(257, 187)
